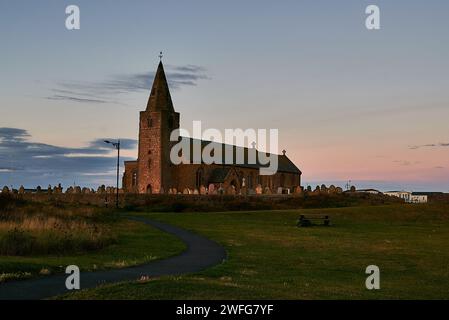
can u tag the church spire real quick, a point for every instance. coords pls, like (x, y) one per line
(160, 98)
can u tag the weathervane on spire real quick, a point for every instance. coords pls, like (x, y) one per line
(160, 56)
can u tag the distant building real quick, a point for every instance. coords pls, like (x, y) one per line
(418, 197)
(400, 194)
(409, 197)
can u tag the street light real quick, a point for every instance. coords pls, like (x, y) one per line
(117, 146)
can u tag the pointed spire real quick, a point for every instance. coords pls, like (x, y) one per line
(160, 98)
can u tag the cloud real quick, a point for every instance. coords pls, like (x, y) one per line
(430, 145)
(102, 91)
(28, 163)
(125, 144)
(13, 134)
(75, 99)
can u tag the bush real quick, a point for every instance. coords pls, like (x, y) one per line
(16, 242)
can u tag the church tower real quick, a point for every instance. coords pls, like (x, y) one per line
(155, 170)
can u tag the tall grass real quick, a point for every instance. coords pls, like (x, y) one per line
(29, 228)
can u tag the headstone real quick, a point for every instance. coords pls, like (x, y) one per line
(230, 190)
(297, 190)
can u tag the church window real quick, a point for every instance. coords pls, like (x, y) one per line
(150, 122)
(199, 178)
(250, 181)
(282, 180)
(134, 179)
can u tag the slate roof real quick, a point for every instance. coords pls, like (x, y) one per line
(284, 163)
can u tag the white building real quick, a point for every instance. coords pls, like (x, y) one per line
(409, 197)
(417, 197)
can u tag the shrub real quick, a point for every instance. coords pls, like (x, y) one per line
(16, 242)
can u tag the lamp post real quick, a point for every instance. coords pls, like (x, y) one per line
(117, 146)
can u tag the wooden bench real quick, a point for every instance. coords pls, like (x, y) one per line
(308, 220)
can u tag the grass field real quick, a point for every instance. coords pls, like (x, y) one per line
(42, 239)
(270, 258)
(136, 244)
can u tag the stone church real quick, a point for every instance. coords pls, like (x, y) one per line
(153, 171)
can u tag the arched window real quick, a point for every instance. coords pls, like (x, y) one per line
(250, 181)
(149, 189)
(134, 179)
(282, 180)
(150, 122)
(199, 177)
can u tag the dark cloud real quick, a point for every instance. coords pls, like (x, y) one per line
(430, 145)
(13, 134)
(101, 92)
(125, 144)
(23, 162)
(70, 98)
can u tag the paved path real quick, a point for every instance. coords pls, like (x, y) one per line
(201, 253)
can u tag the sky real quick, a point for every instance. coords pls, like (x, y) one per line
(370, 106)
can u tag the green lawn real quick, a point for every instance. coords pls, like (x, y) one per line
(136, 244)
(270, 258)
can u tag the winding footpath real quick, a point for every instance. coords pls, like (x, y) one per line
(200, 254)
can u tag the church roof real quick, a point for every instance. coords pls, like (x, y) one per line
(284, 163)
(160, 98)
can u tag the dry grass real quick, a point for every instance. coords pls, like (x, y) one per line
(51, 228)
